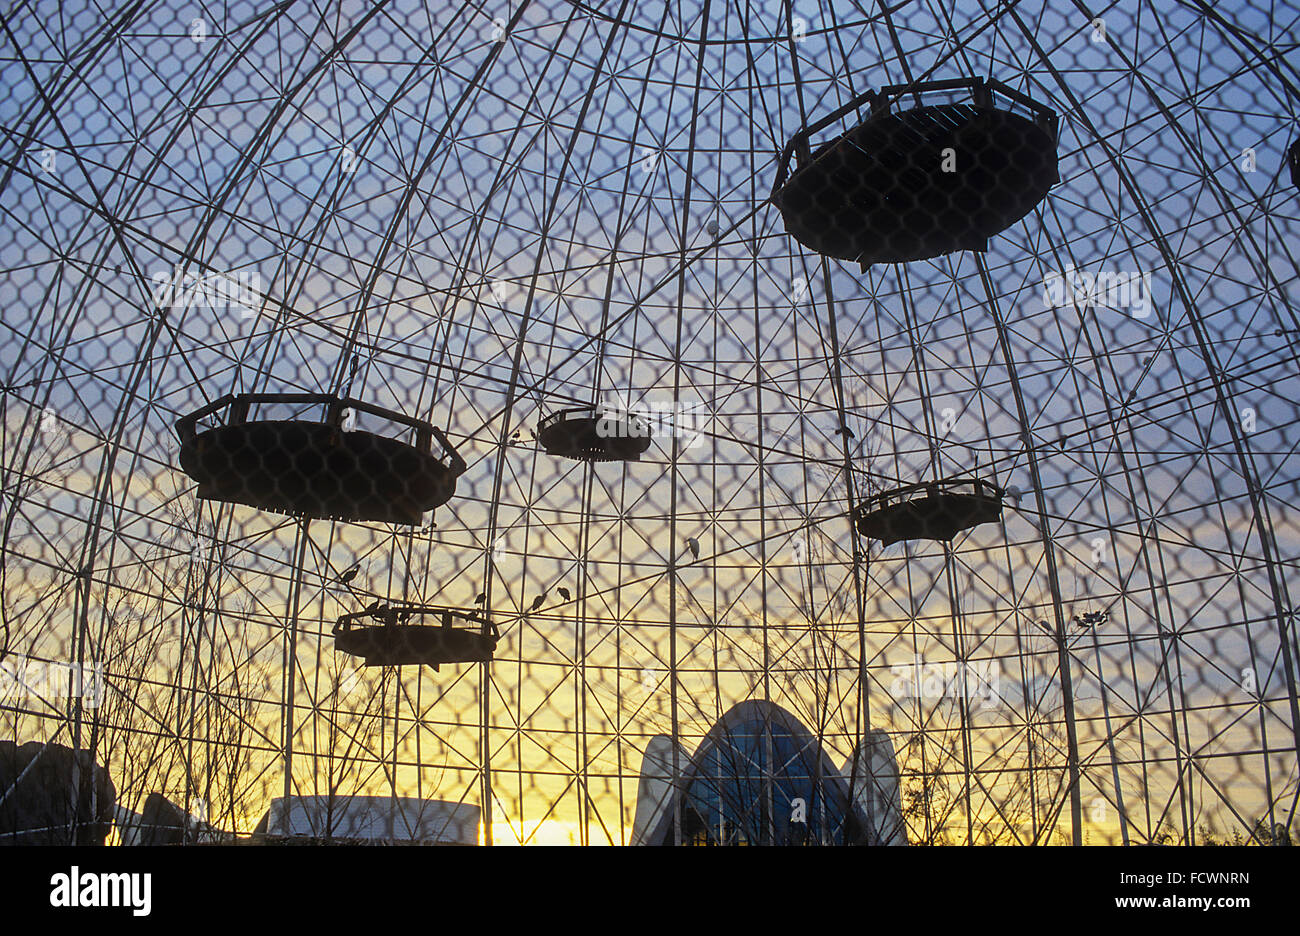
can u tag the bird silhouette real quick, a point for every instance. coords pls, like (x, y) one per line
(481, 598)
(564, 593)
(1092, 619)
(1044, 625)
(694, 546)
(349, 575)
(537, 602)
(374, 606)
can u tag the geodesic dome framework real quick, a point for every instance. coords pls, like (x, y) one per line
(476, 217)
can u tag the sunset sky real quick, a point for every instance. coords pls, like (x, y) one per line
(500, 229)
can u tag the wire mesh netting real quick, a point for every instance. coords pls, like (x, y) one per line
(621, 423)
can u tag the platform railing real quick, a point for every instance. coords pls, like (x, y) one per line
(983, 93)
(239, 406)
(401, 611)
(972, 486)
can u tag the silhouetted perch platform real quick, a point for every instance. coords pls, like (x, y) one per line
(316, 468)
(933, 510)
(593, 433)
(394, 642)
(888, 190)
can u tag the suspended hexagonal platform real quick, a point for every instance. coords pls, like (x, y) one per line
(594, 433)
(932, 510)
(394, 642)
(317, 468)
(967, 160)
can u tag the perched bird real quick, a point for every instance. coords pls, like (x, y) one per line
(374, 606)
(481, 598)
(349, 575)
(1044, 625)
(564, 593)
(352, 365)
(538, 601)
(1091, 619)
(694, 546)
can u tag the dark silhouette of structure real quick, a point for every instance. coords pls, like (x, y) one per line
(393, 642)
(162, 822)
(933, 510)
(914, 184)
(318, 468)
(51, 794)
(760, 778)
(591, 433)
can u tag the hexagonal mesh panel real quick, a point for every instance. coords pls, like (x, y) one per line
(801, 423)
